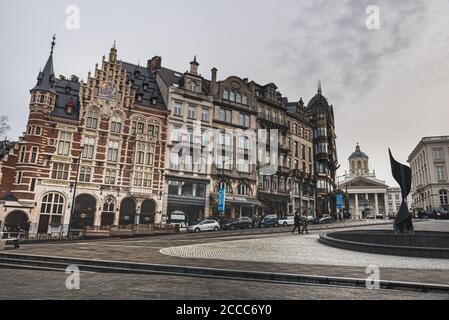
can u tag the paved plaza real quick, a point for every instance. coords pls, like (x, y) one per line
(239, 250)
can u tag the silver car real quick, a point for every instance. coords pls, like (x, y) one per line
(206, 225)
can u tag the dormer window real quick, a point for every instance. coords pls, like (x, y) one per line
(139, 98)
(154, 101)
(145, 86)
(193, 86)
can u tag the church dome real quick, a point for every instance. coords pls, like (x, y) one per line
(358, 153)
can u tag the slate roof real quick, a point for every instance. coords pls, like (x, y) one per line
(140, 76)
(66, 90)
(46, 78)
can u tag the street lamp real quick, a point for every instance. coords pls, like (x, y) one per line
(72, 209)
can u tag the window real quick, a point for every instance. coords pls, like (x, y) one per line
(438, 154)
(113, 149)
(440, 173)
(226, 186)
(85, 174)
(38, 131)
(33, 158)
(153, 130)
(142, 179)
(190, 135)
(244, 120)
(232, 96)
(174, 161)
(204, 137)
(138, 127)
(19, 177)
(109, 205)
(110, 176)
(238, 98)
(205, 115)
(88, 147)
(225, 115)
(65, 139)
(177, 110)
(244, 100)
(52, 203)
(444, 197)
(33, 184)
(191, 112)
(22, 154)
(176, 133)
(60, 171)
(116, 124)
(92, 119)
(226, 95)
(244, 190)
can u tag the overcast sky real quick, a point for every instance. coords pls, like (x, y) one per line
(389, 87)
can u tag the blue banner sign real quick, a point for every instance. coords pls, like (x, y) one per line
(221, 200)
(339, 201)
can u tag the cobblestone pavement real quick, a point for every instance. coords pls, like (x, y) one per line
(299, 249)
(28, 284)
(147, 250)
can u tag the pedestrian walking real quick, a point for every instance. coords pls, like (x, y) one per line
(297, 223)
(304, 223)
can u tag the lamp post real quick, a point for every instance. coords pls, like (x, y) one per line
(72, 208)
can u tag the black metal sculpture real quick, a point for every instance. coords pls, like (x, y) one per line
(403, 175)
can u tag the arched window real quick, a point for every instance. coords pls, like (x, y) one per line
(226, 95)
(245, 100)
(92, 119)
(109, 205)
(116, 124)
(232, 96)
(444, 197)
(359, 164)
(153, 130)
(52, 208)
(52, 203)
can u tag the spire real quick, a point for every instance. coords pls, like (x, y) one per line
(113, 53)
(357, 148)
(194, 66)
(53, 43)
(46, 78)
(319, 87)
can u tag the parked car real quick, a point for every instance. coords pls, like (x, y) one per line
(239, 223)
(287, 221)
(325, 219)
(270, 220)
(206, 225)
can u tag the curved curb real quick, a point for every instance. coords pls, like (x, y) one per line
(403, 251)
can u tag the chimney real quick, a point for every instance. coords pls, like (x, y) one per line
(154, 64)
(74, 78)
(214, 85)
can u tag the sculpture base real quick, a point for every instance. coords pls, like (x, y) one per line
(420, 244)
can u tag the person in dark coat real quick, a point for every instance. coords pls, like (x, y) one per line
(304, 222)
(297, 223)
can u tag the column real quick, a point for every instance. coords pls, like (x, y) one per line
(97, 219)
(137, 218)
(386, 205)
(376, 205)
(356, 214)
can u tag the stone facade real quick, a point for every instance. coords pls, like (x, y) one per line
(429, 162)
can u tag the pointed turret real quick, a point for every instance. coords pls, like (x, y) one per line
(46, 78)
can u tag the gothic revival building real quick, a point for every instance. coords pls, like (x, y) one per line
(93, 153)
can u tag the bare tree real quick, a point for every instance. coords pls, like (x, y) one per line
(4, 127)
